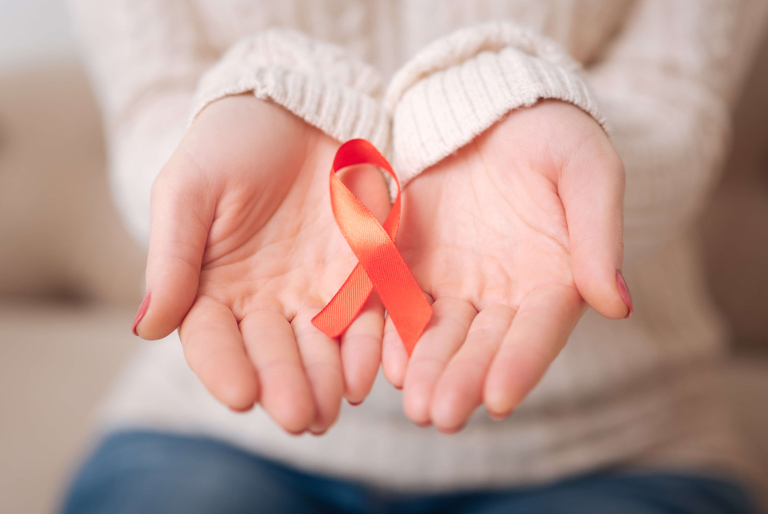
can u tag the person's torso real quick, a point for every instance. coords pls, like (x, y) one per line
(386, 33)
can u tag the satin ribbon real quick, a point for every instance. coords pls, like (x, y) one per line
(380, 264)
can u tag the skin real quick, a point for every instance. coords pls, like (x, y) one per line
(511, 237)
(244, 251)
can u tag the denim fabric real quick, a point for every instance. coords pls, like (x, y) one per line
(153, 472)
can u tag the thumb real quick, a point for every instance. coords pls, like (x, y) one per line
(591, 188)
(182, 210)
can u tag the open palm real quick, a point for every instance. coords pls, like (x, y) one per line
(244, 251)
(509, 236)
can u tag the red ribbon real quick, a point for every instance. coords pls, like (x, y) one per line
(380, 264)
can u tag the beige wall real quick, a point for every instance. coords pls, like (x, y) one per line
(34, 31)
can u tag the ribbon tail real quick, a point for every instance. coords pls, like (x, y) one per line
(346, 304)
(401, 295)
(380, 264)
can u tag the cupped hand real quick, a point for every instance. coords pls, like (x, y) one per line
(510, 237)
(244, 251)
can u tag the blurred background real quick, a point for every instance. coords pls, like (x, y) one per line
(71, 278)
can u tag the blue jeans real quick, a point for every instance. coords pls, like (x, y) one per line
(152, 473)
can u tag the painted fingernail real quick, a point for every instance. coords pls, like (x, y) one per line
(624, 292)
(142, 311)
(354, 404)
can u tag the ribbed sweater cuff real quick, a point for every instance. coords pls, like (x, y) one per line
(459, 86)
(321, 83)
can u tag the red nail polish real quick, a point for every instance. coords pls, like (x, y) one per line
(139, 315)
(624, 292)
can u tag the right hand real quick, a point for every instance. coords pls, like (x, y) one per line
(244, 251)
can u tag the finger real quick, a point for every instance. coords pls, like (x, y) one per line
(361, 351)
(322, 365)
(285, 391)
(592, 192)
(459, 391)
(358, 348)
(182, 210)
(538, 332)
(394, 357)
(445, 333)
(214, 350)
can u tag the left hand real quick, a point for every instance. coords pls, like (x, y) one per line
(510, 236)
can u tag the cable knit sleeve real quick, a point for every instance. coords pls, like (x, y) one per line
(667, 85)
(154, 70)
(319, 82)
(460, 85)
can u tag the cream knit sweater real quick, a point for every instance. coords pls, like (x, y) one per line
(421, 78)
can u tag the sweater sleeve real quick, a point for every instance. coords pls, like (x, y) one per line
(460, 85)
(663, 89)
(154, 70)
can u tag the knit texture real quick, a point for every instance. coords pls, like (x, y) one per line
(663, 74)
(458, 87)
(320, 83)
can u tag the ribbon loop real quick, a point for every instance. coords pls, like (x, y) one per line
(380, 264)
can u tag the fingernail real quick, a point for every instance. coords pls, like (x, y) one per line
(142, 311)
(354, 404)
(452, 430)
(238, 410)
(499, 417)
(624, 292)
